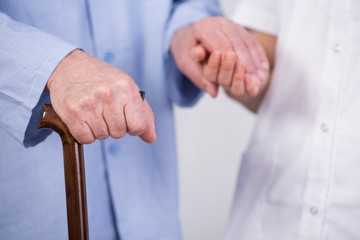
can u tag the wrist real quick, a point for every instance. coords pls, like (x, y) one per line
(68, 59)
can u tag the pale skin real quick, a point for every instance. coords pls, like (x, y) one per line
(97, 100)
(228, 42)
(268, 42)
(236, 81)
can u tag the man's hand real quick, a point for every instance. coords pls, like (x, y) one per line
(96, 100)
(231, 44)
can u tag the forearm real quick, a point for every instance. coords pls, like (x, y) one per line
(269, 43)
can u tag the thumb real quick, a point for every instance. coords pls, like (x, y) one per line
(149, 135)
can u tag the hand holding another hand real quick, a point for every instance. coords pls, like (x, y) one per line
(216, 51)
(228, 71)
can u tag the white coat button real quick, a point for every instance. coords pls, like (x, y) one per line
(313, 210)
(337, 48)
(324, 128)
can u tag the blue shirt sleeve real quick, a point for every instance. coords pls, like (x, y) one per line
(28, 56)
(184, 12)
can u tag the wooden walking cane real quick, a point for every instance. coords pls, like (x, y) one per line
(74, 175)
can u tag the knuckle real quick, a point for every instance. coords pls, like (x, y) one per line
(125, 82)
(120, 133)
(72, 108)
(125, 88)
(106, 93)
(87, 101)
(116, 86)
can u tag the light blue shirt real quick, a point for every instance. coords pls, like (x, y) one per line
(131, 186)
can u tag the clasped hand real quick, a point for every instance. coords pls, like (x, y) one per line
(221, 53)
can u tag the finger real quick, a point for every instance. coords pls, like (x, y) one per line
(251, 85)
(258, 51)
(235, 35)
(264, 68)
(73, 118)
(252, 45)
(227, 69)
(96, 123)
(243, 54)
(81, 132)
(257, 54)
(237, 86)
(136, 115)
(198, 53)
(194, 71)
(149, 135)
(211, 69)
(115, 120)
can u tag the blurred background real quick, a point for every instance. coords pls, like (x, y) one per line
(211, 138)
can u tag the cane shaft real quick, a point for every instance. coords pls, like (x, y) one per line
(74, 175)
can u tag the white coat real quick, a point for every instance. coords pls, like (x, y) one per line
(299, 178)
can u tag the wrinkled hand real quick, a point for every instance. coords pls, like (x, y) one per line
(96, 100)
(231, 47)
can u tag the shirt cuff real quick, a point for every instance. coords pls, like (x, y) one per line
(37, 97)
(182, 91)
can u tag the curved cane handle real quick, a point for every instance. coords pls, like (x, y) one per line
(74, 175)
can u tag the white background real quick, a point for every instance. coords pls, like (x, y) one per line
(211, 138)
